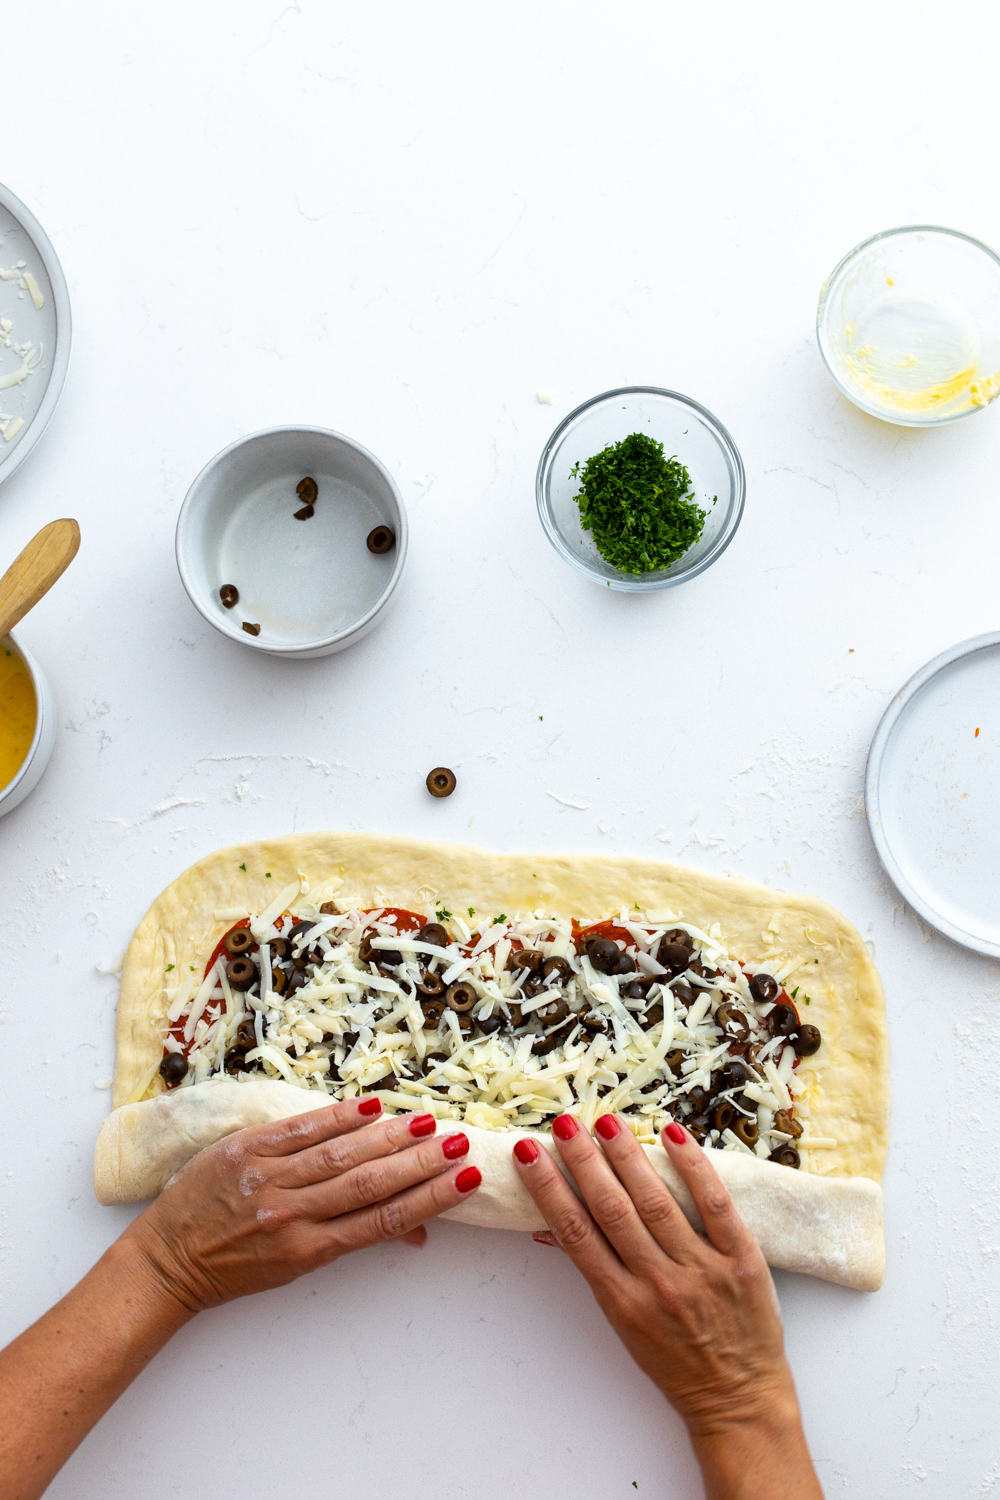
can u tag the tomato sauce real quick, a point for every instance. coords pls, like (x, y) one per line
(406, 921)
(603, 930)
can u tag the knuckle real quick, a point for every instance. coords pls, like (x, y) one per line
(571, 1229)
(656, 1208)
(388, 1220)
(371, 1181)
(612, 1209)
(337, 1156)
(717, 1200)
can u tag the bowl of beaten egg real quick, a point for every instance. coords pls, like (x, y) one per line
(27, 724)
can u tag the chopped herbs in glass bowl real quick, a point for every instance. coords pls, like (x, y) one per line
(640, 488)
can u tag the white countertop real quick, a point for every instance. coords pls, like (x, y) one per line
(402, 222)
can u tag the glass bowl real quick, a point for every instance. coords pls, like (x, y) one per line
(909, 325)
(686, 430)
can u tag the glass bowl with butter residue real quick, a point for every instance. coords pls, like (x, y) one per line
(27, 724)
(688, 432)
(909, 325)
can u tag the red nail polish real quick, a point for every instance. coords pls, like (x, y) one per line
(526, 1152)
(564, 1127)
(370, 1107)
(606, 1127)
(468, 1178)
(423, 1125)
(675, 1133)
(544, 1237)
(455, 1146)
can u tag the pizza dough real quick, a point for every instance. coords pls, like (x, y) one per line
(824, 1219)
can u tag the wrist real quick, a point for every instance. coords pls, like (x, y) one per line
(752, 1446)
(143, 1280)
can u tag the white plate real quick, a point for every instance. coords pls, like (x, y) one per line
(46, 328)
(932, 793)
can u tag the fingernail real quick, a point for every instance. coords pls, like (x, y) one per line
(526, 1152)
(675, 1133)
(370, 1107)
(468, 1178)
(455, 1146)
(544, 1237)
(564, 1127)
(606, 1127)
(423, 1125)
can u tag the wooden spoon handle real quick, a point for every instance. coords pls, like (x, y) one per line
(32, 574)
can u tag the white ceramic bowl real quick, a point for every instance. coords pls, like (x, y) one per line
(312, 586)
(44, 738)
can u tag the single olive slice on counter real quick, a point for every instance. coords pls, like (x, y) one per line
(241, 973)
(441, 782)
(674, 955)
(460, 997)
(431, 985)
(785, 1156)
(381, 539)
(722, 1115)
(764, 988)
(238, 942)
(806, 1040)
(525, 958)
(558, 967)
(489, 1024)
(786, 1122)
(745, 1130)
(305, 514)
(251, 629)
(229, 594)
(433, 933)
(781, 1021)
(652, 1017)
(307, 490)
(733, 1022)
(433, 1010)
(173, 1068)
(603, 954)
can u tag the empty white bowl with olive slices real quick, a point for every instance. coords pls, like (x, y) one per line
(292, 541)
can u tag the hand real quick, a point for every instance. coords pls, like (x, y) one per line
(698, 1313)
(267, 1204)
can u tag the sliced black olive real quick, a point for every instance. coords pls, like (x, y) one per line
(733, 1076)
(307, 490)
(489, 1024)
(236, 1061)
(684, 993)
(238, 942)
(698, 1126)
(305, 514)
(745, 1130)
(699, 1098)
(674, 956)
(241, 973)
(279, 981)
(280, 948)
(433, 933)
(431, 984)
(603, 954)
(781, 1021)
(315, 956)
(441, 782)
(466, 1025)
(785, 1156)
(559, 968)
(297, 980)
(173, 1068)
(786, 1122)
(246, 1036)
(381, 539)
(652, 1017)
(674, 1060)
(431, 1061)
(516, 1018)
(525, 958)
(594, 1022)
(365, 951)
(460, 997)
(297, 929)
(229, 594)
(764, 988)
(722, 1115)
(556, 1010)
(433, 1010)
(329, 909)
(806, 1040)
(624, 964)
(387, 958)
(732, 1021)
(349, 1040)
(251, 629)
(545, 1044)
(388, 1082)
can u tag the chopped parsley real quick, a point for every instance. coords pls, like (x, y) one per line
(442, 913)
(267, 874)
(795, 992)
(243, 868)
(169, 967)
(501, 918)
(637, 505)
(472, 911)
(807, 1000)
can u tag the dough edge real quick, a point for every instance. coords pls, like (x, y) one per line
(823, 1226)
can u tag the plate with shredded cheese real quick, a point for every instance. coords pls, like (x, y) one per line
(35, 331)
